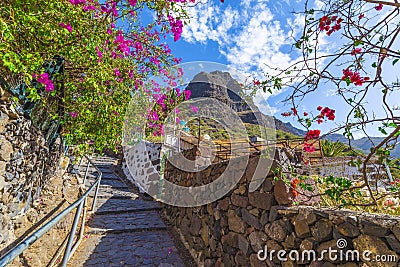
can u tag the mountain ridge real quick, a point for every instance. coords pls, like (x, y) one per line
(220, 85)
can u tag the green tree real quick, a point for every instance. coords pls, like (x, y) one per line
(108, 50)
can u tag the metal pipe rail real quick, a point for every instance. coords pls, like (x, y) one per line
(80, 204)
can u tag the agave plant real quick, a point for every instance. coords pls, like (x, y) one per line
(333, 149)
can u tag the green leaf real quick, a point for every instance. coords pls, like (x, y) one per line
(395, 61)
(358, 42)
(382, 130)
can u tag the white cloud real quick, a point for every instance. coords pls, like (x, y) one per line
(250, 37)
(200, 28)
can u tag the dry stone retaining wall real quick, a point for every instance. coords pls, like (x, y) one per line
(26, 165)
(232, 230)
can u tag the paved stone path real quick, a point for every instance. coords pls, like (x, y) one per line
(125, 230)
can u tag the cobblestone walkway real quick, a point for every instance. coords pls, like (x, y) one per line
(125, 229)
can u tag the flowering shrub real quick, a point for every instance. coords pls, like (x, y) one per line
(108, 53)
(359, 67)
(353, 77)
(330, 24)
(294, 184)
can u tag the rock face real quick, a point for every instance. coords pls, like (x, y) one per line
(26, 165)
(221, 86)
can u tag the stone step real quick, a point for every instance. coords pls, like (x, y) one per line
(103, 187)
(153, 248)
(105, 161)
(105, 176)
(110, 176)
(92, 170)
(115, 205)
(109, 192)
(125, 222)
(105, 169)
(113, 183)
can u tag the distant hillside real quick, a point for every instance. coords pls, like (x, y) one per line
(221, 86)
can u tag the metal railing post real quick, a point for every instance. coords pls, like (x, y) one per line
(69, 250)
(86, 172)
(96, 192)
(72, 235)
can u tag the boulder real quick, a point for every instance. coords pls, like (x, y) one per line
(6, 149)
(375, 246)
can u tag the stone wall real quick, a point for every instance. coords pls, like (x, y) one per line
(141, 164)
(232, 230)
(26, 165)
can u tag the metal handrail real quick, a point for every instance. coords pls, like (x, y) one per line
(80, 204)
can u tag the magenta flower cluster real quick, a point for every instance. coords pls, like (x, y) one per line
(138, 46)
(73, 114)
(45, 80)
(77, 2)
(65, 26)
(176, 27)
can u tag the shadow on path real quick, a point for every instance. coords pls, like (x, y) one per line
(125, 230)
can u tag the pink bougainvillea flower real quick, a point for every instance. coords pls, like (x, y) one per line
(77, 2)
(117, 72)
(153, 116)
(73, 114)
(353, 77)
(187, 94)
(379, 7)
(328, 113)
(45, 80)
(65, 26)
(356, 51)
(158, 129)
(131, 74)
(99, 54)
(176, 27)
(361, 16)
(309, 147)
(178, 121)
(256, 82)
(177, 110)
(312, 134)
(89, 7)
(116, 113)
(194, 108)
(330, 24)
(305, 114)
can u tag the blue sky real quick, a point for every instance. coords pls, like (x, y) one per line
(245, 35)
